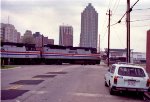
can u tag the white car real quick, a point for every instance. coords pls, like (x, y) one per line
(124, 77)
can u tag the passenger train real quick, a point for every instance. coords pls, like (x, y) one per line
(19, 53)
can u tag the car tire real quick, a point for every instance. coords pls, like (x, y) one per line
(111, 91)
(106, 84)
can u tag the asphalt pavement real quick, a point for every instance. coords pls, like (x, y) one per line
(59, 83)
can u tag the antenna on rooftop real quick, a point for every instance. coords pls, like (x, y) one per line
(8, 19)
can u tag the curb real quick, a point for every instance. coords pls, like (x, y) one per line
(11, 68)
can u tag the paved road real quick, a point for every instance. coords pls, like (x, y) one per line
(64, 83)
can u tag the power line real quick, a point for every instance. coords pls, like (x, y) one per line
(142, 9)
(121, 43)
(116, 7)
(102, 39)
(110, 1)
(137, 20)
(140, 20)
(104, 24)
(105, 31)
(126, 13)
(134, 4)
(141, 26)
(130, 21)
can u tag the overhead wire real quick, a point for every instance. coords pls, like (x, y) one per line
(110, 1)
(140, 20)
(115, 9)
(125, 13)
(141, 26)
(105, 31)
(121, 43)
(114, 5)
(142, 9)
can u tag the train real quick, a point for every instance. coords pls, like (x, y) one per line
(20, 53)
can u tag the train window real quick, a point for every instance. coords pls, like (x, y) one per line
(73, 52)
(93, 51)
(30, 48)
(2, 49)
(56, 47)
(86, 49)
(19, 45)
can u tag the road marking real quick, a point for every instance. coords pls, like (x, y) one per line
(36, 78)
(14, 87)
(92, 95)
(39, 92)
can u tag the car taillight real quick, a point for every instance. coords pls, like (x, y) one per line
(148, 83)
(115, 79)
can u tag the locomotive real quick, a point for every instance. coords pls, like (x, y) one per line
(19, 53)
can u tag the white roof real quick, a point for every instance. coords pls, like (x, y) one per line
(128, 65)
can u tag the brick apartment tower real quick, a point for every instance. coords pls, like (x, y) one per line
(148, 52)
(89, 27)
(66, 35)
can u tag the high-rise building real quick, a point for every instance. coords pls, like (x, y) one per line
(148, 52)
(89, 27)
(66, 35)
(9, 33)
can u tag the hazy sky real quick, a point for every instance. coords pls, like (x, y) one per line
(45, 16)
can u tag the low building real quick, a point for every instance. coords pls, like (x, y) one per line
(135, 57)
(139, 57)
(117, 55)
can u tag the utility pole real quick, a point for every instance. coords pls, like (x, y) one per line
(128, 30)
(109, 14)
(42, 41)
(99, 43)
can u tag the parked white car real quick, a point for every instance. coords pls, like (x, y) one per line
(124, 77)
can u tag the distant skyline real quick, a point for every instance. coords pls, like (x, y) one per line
(45, 16)
(89, 27)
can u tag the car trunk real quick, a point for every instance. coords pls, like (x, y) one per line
(132, 82)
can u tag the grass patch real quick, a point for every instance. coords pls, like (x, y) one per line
(7, 66)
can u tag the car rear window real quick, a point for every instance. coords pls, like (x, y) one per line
(129, 71)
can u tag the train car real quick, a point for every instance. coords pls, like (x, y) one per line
(55, 54)
(19, 53)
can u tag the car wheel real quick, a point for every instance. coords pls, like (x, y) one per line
(111, 91)
(106, 84)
